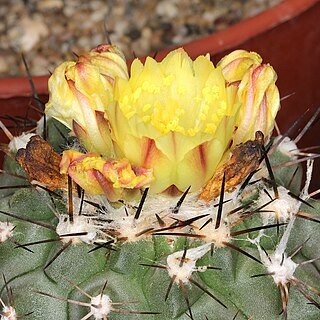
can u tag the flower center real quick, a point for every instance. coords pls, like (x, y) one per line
(177, 95)
(169, 110)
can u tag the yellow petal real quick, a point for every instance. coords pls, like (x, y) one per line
(89, 81)
(235, 65)
(62, 104)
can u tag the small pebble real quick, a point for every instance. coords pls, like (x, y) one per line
(49, 5)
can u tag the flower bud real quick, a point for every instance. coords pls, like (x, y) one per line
(237, 63)
(260, 102)
(80, 92)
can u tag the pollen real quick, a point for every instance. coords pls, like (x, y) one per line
(223, 108)
(202, 116)
(193, 131)
(129, 115)
(188, 105)
(150, 87)
(211, 94)
(146, 118)
(127, 109)
(136, 95)
(146, 107)
(210, 128)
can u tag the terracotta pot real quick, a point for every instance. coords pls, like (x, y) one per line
(287, 36)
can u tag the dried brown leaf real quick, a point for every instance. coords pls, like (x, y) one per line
(41, 163)
(245, 159)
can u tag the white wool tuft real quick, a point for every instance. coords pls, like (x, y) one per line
(20, 142)
(100, 306)
(287, 147)
(6, 231)
(281, 267)
(79, 224)
(8, 313)
(284, 207)
(182, 272)
(128, 228)
(217, 236)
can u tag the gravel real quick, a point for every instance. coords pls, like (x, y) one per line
(51, 31)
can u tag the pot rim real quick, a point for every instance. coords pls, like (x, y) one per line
(214, 43)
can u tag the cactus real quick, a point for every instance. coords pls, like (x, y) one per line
(104, 220)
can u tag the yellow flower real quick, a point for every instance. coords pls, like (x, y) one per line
(81, 91)
(176, 116)
(117, 179)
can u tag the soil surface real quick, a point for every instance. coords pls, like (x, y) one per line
(50, 31)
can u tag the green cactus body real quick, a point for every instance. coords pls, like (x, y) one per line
(206, 275)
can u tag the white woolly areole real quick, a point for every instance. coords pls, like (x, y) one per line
(217, 236)
(305, 193)
(121, 220)
(20, 142)
(8, 313)
(6, 231)
(279, 264)
(165, 207)
(284, 207)
(129, 228)
(182, 272)
(282, 268)
(79, 224)
(100, 306)
(287, 147)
